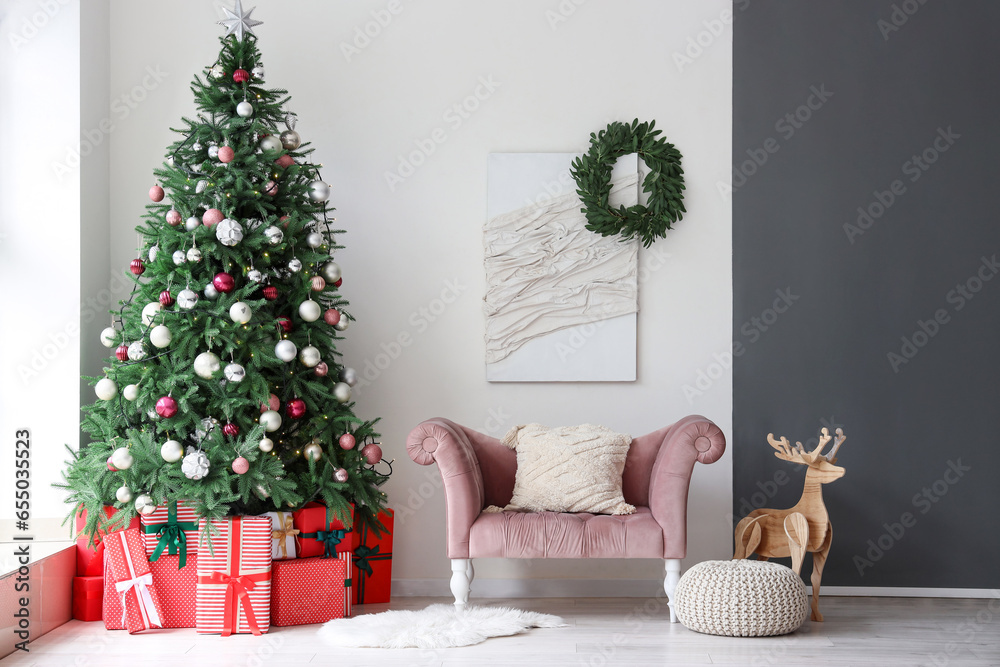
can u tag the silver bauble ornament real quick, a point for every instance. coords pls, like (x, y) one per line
(160, 336)
(130, 392)
(179, 257)
(208, 424)
(261, 491)
(153, 252)
(136, 351)
(313, 451)
(150, 311)
(342, 392)
(145, 505)
(106, 389)
(123, 494)
(266, 445)
(290, 140)
(229, 232)
(210, 292)
(274, 235)
(108, 336)
(319, 191)
(309, 356)
(314, 240)
(171, 451)
(206, 365)
(213, 151)
(257, 72)
(217, 72)
(192, 224)
(195, 465)
(255, 276)
(270, 420)
(295, 265)
(270, 143)
(187, 299)
(309, 310)
(349, 375)
(342, 324)
(234, 372)
(193, 255)
(331, 271)
(196, 146)
(244, 109)
(240, 313)
(122, 458)
(170, 160)
(285, 350)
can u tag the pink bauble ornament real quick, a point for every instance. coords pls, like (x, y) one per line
(241, 75)
(231, 429)
(347, 441)
(212, 216)
(111, 466)
(156, 193)
(166, 298)
(284, 219)
(321, 369)
(241, 466)
(331, 316)
(285, 161)
(317, 283)
(138, 267)
(226, 154)
(272, 404)
(270, 188)
(122, 352)
(340, 475)
(166, 407)
(372, 453)
(224, 282)
(173, 217)
(296, 408)
(285, 324)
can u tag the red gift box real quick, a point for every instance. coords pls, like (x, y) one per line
(234, 576)
(88, 598)
(310, 590)
(171, 529)
(128, 568)
(90, 559)
(372, 575)
(316, 537)
(176, 588)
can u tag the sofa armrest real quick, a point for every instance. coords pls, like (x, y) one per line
(443, 442)
(693, 438)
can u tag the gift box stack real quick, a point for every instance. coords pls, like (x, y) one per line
(88, 584)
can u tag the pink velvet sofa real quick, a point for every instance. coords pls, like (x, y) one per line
(478, 471)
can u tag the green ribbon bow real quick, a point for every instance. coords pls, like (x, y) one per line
(362, 558)
(172, 537)
(329, 538)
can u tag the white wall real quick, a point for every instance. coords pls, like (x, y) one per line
(606, 61)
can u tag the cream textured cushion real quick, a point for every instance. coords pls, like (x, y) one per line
(741, 598)
(569, 469)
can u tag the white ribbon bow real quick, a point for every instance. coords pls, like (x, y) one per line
(141, 585)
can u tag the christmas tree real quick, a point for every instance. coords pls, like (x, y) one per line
(226, 389)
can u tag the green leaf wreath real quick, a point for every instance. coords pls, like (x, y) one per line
(664, 182)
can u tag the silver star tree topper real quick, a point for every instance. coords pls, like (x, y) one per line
(238, 22)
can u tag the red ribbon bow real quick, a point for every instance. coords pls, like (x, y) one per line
(237, 590)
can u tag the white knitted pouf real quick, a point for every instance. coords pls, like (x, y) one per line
(741, 598)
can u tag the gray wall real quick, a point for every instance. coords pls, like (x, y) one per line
(902, 515)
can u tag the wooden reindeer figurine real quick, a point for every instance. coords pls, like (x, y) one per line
(773, 533)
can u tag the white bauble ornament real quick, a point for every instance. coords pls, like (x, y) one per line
(319, 191)
(309, 310)
(136, 351)
(153, 252)
(255, 276)
(240, 313)
(122, 458)
(187, 299)
(170, 160)
(331, 271)
(206, 365)
(270, 143)
(145, 505)
(266, 445)
(350, 376)
(106, 389)
(199, 188)
(123, 494)
(171, 451)
(274, 235)
(341, 325)
(234, 372)
(270, 420)
(196, 146)
(194, 255)
(261, 491)
(149, 311)
(285, 350)
(131, 392)
(179, 257)
(208, 424)
(192, 224)
(314, 240)
(160, 336)
(309, 356)
(257, 72)
(313, 451)
(210, 292)
(217, 72)
(229, 232)
(244, 109)
(108, 336)
(213, 151)
(295, 265)
(195, 464)
(342, 392)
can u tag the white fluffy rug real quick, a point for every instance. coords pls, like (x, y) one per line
(437, 626)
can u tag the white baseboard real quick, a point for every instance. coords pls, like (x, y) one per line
(638, 588)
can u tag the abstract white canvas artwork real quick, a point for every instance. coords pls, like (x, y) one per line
(561, 301)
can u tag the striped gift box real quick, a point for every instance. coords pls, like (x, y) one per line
(234, 576)
(171, 529)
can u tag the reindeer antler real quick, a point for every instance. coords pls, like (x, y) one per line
(798, 453)
(837, 442)
(784, 449)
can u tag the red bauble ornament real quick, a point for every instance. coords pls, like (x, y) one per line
(156, 193)
(226, 154)
(321, 369)
(317, 283)
(284, 219)
(272, 404)
(347, 441)
(173, 217)
(231, 429)
(331, 316)
(285, 161)
(340, 281)
(166, 407)
(212, 216)
(241, 466)
(372, 453)
(296, 408)
(166, 299)
(224, 282)
(122, 352)
(270, 292)
(111, 466)
(138, 267)
(241, 75)
(285, 324)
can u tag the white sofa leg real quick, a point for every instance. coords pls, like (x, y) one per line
(673, 567)
(461, 582)
(471, 573)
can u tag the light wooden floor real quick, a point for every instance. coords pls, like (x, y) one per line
(619, 631)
